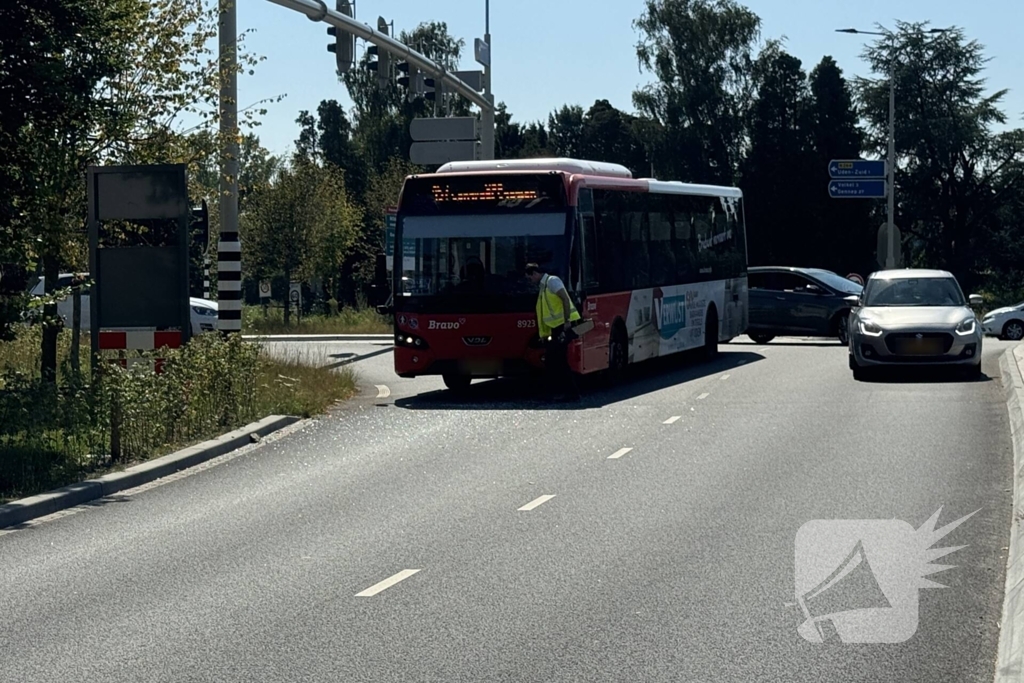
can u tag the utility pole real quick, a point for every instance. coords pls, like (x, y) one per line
(890, 258)
(487, 115)
(229, 249)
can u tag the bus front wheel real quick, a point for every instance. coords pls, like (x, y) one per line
(457, 382)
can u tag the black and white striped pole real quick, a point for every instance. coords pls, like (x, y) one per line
(229, 248)
(206, 276)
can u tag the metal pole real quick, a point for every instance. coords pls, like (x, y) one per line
(487, 114)
(890, 261)
(229, 251)
(317, 11)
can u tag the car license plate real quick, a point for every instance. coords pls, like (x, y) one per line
(922, 347)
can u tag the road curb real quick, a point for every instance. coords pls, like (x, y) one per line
(21, 511)
(320, 337)
(1010, 656)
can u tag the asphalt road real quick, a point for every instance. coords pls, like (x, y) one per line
(673, 561)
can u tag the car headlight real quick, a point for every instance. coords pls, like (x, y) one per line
(209, 312)
(869, 328)
(987, 319)
(967, 326)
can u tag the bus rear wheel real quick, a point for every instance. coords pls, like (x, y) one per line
(457, 383)
(617, 355)
(711, 335)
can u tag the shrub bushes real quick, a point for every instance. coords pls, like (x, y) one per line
(54, 435)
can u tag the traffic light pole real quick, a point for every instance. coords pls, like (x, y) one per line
(487, 113)
(317, 10)
(229, 248)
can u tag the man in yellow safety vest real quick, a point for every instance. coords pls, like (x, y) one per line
(555, 330)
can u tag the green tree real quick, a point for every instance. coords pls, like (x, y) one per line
(301, 227)
(328, 138)
(953, 173)
(382, 113)
(565, 131)
(508, 134)
(700, 52)
(778, 170)
(54, 53)
(845, 231)
(127, 79)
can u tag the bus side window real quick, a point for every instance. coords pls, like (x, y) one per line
(591, 271)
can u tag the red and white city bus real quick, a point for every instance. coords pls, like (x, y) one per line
(658, 267)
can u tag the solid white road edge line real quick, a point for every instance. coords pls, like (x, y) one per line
(536, 503)
(386, 583)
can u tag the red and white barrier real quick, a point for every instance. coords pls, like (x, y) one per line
(139, 340)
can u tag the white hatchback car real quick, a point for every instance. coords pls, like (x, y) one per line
(203, 312)
(1005, 323)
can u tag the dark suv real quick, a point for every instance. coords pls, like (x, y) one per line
(798, 301)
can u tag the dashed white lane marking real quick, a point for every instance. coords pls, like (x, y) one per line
(535, 503)
(619, 453)
(386, 583)
(725, 377)
(382, 391)
(671, 419)
(703, 396)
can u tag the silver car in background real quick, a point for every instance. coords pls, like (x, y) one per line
(914, 317)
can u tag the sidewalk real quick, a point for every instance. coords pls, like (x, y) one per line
(1010, 657)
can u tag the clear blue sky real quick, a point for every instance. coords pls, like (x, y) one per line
(547, 53)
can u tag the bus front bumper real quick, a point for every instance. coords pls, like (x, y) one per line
(415, 362)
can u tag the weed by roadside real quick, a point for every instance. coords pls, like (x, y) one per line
(53, 436)
(346, 321)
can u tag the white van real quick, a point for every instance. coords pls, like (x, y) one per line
(203, 312)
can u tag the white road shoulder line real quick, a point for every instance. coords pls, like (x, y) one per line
(703, 396)
(536, 503)
(619, 453)
(671, 419)
(725, 377)
(386, 583)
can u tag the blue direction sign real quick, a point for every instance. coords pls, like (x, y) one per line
(856, 189)
(856, 169)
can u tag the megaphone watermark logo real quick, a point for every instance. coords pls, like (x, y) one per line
(857, 581)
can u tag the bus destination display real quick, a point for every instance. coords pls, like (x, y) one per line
(438, 195)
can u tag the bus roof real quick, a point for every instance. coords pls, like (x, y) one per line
(677, 187)
(590, 168)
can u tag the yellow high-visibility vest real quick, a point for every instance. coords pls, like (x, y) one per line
(550, 312)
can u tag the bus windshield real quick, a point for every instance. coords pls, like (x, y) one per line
(479, 254)
(466, 239)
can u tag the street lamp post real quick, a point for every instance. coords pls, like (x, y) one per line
(890, 259)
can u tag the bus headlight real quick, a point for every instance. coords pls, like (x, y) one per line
(410, 341)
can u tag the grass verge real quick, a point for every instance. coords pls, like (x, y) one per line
(51, 436)
(347, 321)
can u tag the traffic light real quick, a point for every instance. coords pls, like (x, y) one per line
(382, 64)
(201, 226)
(429, 92)
(344, 45)
(412, 79)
